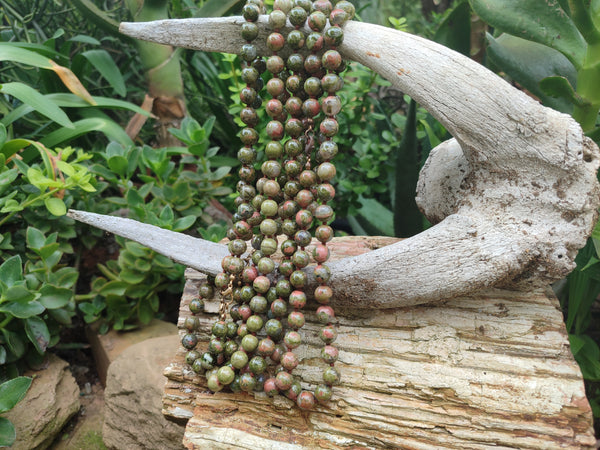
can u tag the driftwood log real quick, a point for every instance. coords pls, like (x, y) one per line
(488, 370)
(514, 195)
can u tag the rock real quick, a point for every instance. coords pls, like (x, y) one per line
(133, 416)
(51, 401)
(107, 347)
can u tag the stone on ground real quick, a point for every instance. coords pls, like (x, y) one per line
(51, 401)
(107, 347)
(133, 416)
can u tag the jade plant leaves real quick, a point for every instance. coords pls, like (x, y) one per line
(535, 20)
(529, 63)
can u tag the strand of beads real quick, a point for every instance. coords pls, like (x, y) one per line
(261, 294)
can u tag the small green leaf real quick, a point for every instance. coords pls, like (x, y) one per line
(53, 297)
(37, 101)
(12, 392)
(18, 293)
(166, 215)
(145, 313)
(113, 288)
(132, 277)
(23, 310)
(14, 343)
(118, 164)
(11, 271)
(38, 333)
(35, 238)
(184, 223)
(2, 355)
(134, 198)
(55, 206)
(8, 435)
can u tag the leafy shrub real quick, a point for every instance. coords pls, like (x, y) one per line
(11, 393)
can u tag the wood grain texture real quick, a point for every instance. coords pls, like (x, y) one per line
(490, 369)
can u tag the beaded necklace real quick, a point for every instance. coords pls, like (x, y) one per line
(253, 342)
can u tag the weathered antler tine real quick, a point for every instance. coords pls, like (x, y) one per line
(199, 254)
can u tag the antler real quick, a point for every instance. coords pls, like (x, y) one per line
(515, 192)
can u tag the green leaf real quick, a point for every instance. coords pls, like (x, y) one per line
(216, 8)
(528, 63)
(11, 271)
(107, 67)
(184, 223)
(115, 287)
(12, 392)
(38, 333)
(134, 198)
(14, 343)
(380, 220)
(18, 293)
(3, 135)
(166, 215)
(55, 206)
(535, 20)
(37, 101)
(118, 164)
(11, 52)
(13, 146)
(8, 435)
(53, 297)
(35, 238)
(145, 313)
(455, 30)
(23, 310)
(560, 87)
(2, 355)
(132, 277)
(111, 129)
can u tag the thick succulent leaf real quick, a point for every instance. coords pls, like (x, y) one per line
(535, 20)
(12, 392)
(528, 63)
(560, 87)
(38, 333)
(11, 271)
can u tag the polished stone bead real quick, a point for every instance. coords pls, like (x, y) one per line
(301, 259)
(331, 376)
(277, 19)
(196, 305)
(274, 329)
(297, 299)
(323, 393)
(279, 308)
(296, 320)
(189, 341)
(306, 400)
(329, 127)
(249, 342)
(326, 171)
(312, 86)
(266, 265)
(292, 339)
(295, 39)
(315, 42)
(328, 334)
(275, 130)
(250, 12)
(275, 64)
(266, 347)
(334, 36)
(248, 52)
(247, 382)
(297, 16)
(284, 380)
(312, 63)
(303, 238)
(249, 136)
(323, 294)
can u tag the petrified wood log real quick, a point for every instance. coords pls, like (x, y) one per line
(489, 369)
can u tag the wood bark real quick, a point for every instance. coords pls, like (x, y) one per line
(493, 369)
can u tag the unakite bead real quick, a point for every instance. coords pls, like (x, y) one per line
(268, 246)
(230, 348)
(270, 387)
(325, 314)
(277, 19)
(329, 127)
(273, 149)
(306, 400)
(294, 127)
(248, 52)
(266, 347)
(249, 343)
(295, 39)
(279, 308)
(297, 16)
(297, 299)
(257, 365)
(274, 108)
(219, 329)
(274, 329)
(292, 339)
(304, 218)
(312, 63)
(326, 171)
(225, 375)
(259, 304)
(303, 238)
(328, 334)
(323, 5)
(247, 173)
(249, 75)
(239, 359)
(189, 341)
(317, 21)
(192, 356)
(266, 265)
(331, 83)
(247, 382)
(284, 380)
(213, 383)
(320, 253)
(254, 323)
(296, 320)
(306, 4)
(324, 233)
(245, 311)
(271, 168)
(249, 31)
(283, 288)
(247, 155)
(283, 5)
(216, 346)
(196, 305)
(275, 41)
(289, 361)
(334, 36)
(295, 62)
(314, 42)
(312, 86)
(269, 208)
(249, 136)
(294, 83)
(207, 361)
(275, 64)
(294, 391)
(323, 294)
(250, 12)
(331, 376)
(323, 393)
(301, 259)
(325, 192)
